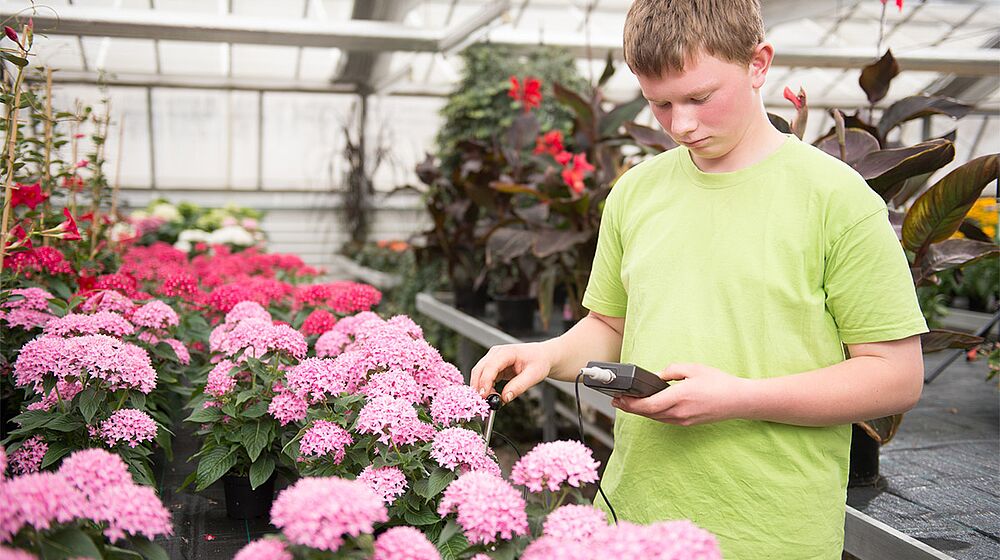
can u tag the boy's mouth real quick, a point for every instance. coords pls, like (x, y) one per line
(694, 143)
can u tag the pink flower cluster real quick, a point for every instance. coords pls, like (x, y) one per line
(28, 310)
(325, 438)
(287, 407)
(264, 549)
(120, 365)
(551, 464)
(458, 403)
(388, 483)
(669, 540)
(257, 337)
(393, 420)
(107, 300)
(459, 448)
(102, 322)
(318, 512)
(28, 457)
(394, 383)
(220, 380)
(574, 522)
(316, 379)
(155, 315)
(404, 543)
(318, 322)
(129, 426)
(488, 507)
(48, 260)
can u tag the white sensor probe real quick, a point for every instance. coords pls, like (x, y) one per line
(599, 374)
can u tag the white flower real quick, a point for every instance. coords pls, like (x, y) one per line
(138, 215)
(121, 231)
(184, 246)
(166, 211)
(195, 235)
(232, 235)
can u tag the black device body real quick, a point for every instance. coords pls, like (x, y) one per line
(630, 380)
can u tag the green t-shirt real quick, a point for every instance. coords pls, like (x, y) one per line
(760, 272)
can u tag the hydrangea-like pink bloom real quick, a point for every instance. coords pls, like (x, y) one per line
(107, 300)
(574, 522)
(102, 322)
(28, 458)
(247, 310)
(40, 500)
(404, 543)
(8, 553)
(26, 319)
(35, 299)
(92, 470)
(129, 426)
(406, 323)
(551, 464)
(551, 548)
(458, 403)
(41, 356)
(349, 297)
(669, 540)
(288, 407)
(121, 365)
(318, 378)
(155, 315)
(130, 509)
(331, 343)
(488, 507)
(259, 336)
(325, 438)
(459, 448)
(179, 284)
(388, 482)
(183, 356)
(394, 383)
(64, 390)
(220, 381)
(318, 322)
(392, 420)
(318, 512)
(264, 549)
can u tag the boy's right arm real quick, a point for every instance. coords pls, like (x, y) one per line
(596, 337)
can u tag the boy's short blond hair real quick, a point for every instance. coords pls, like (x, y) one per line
(661, 35)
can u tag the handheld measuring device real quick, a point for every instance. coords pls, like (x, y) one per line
(613, 379)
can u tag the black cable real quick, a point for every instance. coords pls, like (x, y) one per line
(579, 418)
(509, 442)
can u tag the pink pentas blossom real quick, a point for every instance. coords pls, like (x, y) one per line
(318, 322)
(7, 553)
(224, 298)
(63, 391)
(394, 383)
(387, 482)
(436, 377)
(257, 337)
(92, 470)
(128, 425)
(40, 500)
(102, 322)
(120, 282)
(39, 357)
(488, 507)
(247, 310)
(331, 343)
(574, 522)
(26, 319)
(325, 438)
(183, 356)
(349, 297)
(406, 323)
(551, 464)
(35, 299)
(28, 457)
(264, 549)
(180, 284)
(318, 512)
(404, 543)
(669, 540)
(155, 315)
(551, 548)
(107, 300)
(130, 509)
(316, 379)
(459, 448)
(119, 364)
(220, 380)
(392, 420)
(288, 407)
(458, 403)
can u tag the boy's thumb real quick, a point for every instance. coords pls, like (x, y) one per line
(521, 382)
(674, 372)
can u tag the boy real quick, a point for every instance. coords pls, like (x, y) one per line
(737, 265)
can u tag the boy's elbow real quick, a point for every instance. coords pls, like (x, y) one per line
(914, 385)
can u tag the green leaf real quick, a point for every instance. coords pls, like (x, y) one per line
(937, 214)
(261, 470)
(32, 419)
(256, 410)
(609, 69)
(951, 253)
(449, 530)
(213, 465)
(580, 106)
(64, 423)
(439, 479)
(422, 517)
(70, 542)
(90, 400)
(117, 553)
(14, 59)
(205, 415)
(453, 548)
(150, 550)
(885, 170)
(56, 451)
(137, 399)
(255, 436)
(621, 114)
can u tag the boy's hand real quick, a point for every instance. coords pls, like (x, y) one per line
(703, 394)
(525, 365)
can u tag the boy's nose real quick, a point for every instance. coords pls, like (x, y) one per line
(681, 125)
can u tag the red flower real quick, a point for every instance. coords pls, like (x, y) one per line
(795, 99)
(70, 232)
(530, 95)
(899, 4)
(573, 174)
(21, 236)
(73, 183)
(563, 157)
(550, 143)
(28, 195)
(12, 35)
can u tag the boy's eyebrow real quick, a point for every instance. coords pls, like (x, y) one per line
(698, 93)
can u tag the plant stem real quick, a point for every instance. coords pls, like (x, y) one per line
(11, 143)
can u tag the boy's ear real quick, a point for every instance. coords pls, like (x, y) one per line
(763, 54)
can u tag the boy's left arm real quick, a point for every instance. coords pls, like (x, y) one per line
(879, 379)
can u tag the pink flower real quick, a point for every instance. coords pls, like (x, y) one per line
(387, 482)
(404, 543)
(796, 100)
(64, 391)
(458, 403)
(107, 300)
(28, 457)
(155, 315)
(258, 337)
(247, 310)
(181, 285)
(40, 500)
(130, 509)
(406, 323)
(220, 380)
(488, 507)
(8, 553)
(393, 383)
(102, 322)
(318, 378)
(121, 365)
(318, 322)
(392, 420)
(318, 512)
(551, 464)
(459, 448)
(574, 522)
(128, 426)
(264, 549)
(350, 297)
(26, 318)
(92, 470)
(325, 438)
(183, 356)
(36, 299)
(288, 407)
(331, 343)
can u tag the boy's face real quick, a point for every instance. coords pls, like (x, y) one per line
(709, 106)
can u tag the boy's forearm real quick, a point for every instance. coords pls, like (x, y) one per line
(591, 339)
(860, 388)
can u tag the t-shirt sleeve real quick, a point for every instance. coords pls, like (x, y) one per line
(869, 289)
(605, 292)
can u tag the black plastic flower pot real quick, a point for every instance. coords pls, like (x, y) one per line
(243, 502)
(864, 459)
(470, 300)
(516, 314)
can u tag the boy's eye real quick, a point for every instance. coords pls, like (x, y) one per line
(665, 105)
(700, 99)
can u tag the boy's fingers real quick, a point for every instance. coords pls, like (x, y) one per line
(484, 375)
(675, 372)
(521, 382)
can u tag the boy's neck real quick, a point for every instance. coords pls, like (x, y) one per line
(759, 141)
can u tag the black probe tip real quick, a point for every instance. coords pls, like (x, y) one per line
(493, 401)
